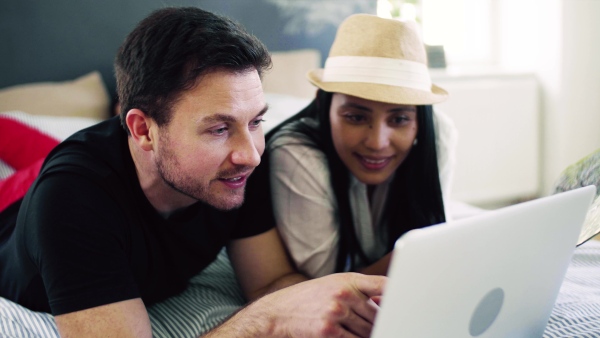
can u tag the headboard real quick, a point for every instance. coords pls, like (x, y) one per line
(63, 39)
(56, 57)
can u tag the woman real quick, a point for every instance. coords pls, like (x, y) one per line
(357, 168)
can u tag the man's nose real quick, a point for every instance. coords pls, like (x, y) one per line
(245, 152)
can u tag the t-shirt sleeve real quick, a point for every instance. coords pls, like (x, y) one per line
(74, 233)
(305, 208)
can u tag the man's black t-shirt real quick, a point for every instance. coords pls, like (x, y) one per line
(86, 235)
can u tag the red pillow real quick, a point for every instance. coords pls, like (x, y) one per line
(23, 148)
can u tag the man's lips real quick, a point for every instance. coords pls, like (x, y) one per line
(235, 182)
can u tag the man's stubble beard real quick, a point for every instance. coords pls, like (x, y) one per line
(167, 167)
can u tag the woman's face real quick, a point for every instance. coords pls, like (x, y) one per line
(372, 138)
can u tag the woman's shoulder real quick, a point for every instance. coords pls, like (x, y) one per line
(294, 152)
(290, 138)
(294, 134)
(296, 148)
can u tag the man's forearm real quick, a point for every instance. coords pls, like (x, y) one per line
(280, 283)
(244, 323)
(252, 320)
(332, 306)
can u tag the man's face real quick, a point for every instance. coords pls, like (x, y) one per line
(214, 139)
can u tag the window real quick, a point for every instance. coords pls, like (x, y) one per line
(475, 32)
(463, 27)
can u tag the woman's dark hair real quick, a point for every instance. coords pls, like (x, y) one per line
(169, 51)
(414, 198)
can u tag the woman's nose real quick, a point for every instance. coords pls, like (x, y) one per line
(377, 137)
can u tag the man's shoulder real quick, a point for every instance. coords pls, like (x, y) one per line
(97, 150)
(94, 162)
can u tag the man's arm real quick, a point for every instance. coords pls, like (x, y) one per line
(122, 319)
(262, 264)
(336, 305)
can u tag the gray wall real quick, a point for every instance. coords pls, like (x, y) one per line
(56, 40)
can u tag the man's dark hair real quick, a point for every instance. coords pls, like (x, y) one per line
(170, 50)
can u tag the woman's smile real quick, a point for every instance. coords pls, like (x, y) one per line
(372, 162)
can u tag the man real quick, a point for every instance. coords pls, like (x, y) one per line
(125, 212)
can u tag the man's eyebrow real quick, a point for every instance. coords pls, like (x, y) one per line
(214, 118)
(263, 111)
(218, 118)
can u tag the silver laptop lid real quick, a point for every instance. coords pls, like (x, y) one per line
(492, 275)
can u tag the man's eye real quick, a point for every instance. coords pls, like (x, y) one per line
(219, 131)
(257, 123)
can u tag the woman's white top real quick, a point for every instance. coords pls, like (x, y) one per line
(306, 209)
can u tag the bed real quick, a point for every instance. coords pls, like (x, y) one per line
(75, 97)
(214, 294)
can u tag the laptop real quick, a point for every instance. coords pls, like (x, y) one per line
(496, 274)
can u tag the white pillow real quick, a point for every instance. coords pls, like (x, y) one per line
(282, 106)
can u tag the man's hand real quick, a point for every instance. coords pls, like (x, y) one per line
(332, 306)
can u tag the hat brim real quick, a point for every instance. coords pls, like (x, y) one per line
(379, 92)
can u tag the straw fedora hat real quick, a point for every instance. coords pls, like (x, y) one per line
(380, 60)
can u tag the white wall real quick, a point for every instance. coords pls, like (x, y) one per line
(497, 118)
(578, 108)
(564, 52)
(559, 42)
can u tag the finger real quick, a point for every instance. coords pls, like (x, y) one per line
(334, 330)
(370, 286)
(366, 309)
(357, 325)
(377, 300)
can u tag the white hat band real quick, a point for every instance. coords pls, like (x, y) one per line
(377, 70)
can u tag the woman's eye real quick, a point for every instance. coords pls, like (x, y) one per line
(399, 119)
(354, 118)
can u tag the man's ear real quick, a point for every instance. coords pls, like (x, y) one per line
(140, 125)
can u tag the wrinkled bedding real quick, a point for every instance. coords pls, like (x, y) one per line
(214, 294)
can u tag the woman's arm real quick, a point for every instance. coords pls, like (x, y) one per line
(261, 264)
(305, 208)
(378, 268)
